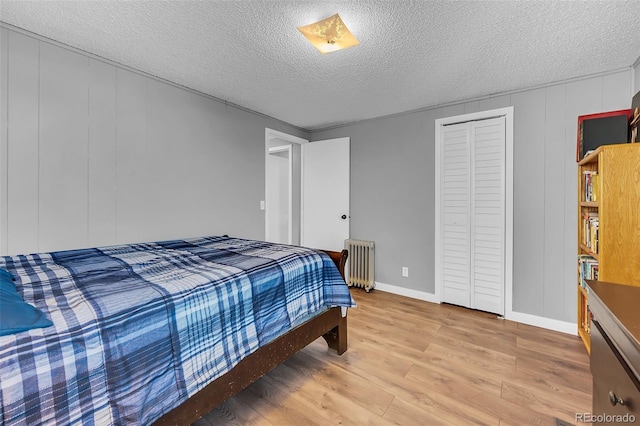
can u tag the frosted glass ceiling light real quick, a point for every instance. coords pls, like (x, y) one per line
(329, 35)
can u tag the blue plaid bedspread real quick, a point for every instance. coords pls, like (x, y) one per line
(140, 328)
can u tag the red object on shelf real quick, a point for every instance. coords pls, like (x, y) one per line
(604, 128)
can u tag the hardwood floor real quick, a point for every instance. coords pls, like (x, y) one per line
(416, 363)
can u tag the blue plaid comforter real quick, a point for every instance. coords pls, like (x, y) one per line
(140, 328)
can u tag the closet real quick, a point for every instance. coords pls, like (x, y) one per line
(471, 213)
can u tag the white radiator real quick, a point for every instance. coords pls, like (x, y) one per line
(360, 263)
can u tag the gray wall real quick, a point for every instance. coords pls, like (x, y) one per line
(392, 188)
(92, 153)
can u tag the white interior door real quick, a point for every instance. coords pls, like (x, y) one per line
(455, 205)
(488, 219)
(472, 219)
(325, 194)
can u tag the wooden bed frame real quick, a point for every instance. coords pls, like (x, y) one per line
(330, 324)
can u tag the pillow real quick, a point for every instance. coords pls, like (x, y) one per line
(15, 314)
(5, 274)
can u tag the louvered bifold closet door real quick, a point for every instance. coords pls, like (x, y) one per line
(455, 214)
(488, 214)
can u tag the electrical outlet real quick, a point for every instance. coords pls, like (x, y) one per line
(405, 271)
(261, 205)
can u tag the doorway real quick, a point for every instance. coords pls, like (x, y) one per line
(307, 191)
(280, 194)
(282, 187)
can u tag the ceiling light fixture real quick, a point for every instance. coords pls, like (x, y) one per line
(329, 35)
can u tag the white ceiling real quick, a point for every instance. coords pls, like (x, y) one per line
(412, 54)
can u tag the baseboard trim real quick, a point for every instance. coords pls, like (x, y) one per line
(534, 320)
(401, 291)
(542, 322)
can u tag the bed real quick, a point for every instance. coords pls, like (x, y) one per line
(162, 332)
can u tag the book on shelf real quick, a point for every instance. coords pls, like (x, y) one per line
(586, 318)
(590, 229)
(590, 185)
(587, 269)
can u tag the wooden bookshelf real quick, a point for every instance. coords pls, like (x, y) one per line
(608, 209)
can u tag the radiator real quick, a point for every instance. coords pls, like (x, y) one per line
(360, 263)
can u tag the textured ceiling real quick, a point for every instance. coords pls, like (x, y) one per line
(412, 54)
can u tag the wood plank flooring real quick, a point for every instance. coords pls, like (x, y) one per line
(416, 363)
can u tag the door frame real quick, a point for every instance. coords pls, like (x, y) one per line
(508, 234)
(276, 150)
(274, 136)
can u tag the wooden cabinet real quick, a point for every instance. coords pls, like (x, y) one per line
(608, 222)
(615, 352)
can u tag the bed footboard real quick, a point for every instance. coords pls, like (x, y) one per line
(337, 337)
